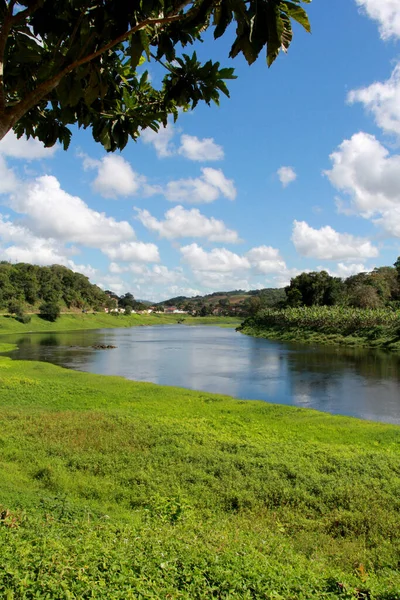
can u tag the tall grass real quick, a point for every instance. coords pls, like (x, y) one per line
(370, 326)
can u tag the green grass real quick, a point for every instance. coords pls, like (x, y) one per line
(115, 489)
(70, 322)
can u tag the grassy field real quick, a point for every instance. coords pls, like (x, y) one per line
(374, 328)
(112, 489)
(70, 322)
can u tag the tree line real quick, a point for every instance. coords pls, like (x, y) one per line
(23, 285)
(375, 289)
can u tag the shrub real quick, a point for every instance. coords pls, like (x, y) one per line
(23, 318)
(15, 308)
(50, 311)
(128, 310)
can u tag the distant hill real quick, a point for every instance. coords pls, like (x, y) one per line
(31, 285)
(235, 302)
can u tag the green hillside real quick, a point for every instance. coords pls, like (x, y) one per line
(28, 285)
(233, 303)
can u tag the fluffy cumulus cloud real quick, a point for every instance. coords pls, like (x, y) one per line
(201, 190)
(23, 148)
(221, 269)
(328, 244)
(386, 13)
(133, 252)
(181, 223)
(159, 274)
(382, 99)
(191, 147)
(8, 179)
(53, 213)
(218, 260)
(364, 169)
(176, 290)
(115, 176)
(286, 175)
(19, 244)
(389, 221)
(201, 150)
(161, 140)
(346, 270)
(266, 259)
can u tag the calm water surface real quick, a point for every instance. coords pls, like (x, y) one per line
(359, 382)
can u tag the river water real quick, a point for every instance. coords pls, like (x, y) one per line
(358, 382)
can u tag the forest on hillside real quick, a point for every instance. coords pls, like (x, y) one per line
(31, 285)
(378, 288)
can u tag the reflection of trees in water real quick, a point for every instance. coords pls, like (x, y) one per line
(60, 349)
(368, 363)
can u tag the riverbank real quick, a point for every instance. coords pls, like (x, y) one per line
(71, 322)
(369, 328)
(117, 489)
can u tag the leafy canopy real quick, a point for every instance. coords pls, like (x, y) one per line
(76, 61)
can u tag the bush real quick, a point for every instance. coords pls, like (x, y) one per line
(23, 319)
(15, 308)
(50, 311)
(128, 310)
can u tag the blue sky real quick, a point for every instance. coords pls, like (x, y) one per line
(298, 170)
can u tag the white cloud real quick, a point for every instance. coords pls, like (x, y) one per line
(202, 150)
(87, 270)
(115, 176)
(286, 175)
(382, 100)
(23, 148)
(161, 275)
(158, 274)
(266, 259)
(218, 260)
(133, 252)
(8, 180)
(51, 212)
(386, 13)
(115, 284)
(161, 140)
(283, 278)
(222, 269)
(389, 220)
(328, 244)
(212, 281)
(346, 270)
(21, 245)
(363, 169)
(175, 290)
(181, 223)
(201, 190)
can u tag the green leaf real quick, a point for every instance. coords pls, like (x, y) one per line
(135, 49)
(298, 14)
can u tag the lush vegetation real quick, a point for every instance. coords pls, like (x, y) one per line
(79, 64)
(237, 303)
(116, 489)
(328, 324)
(24, 286)
(379, 288)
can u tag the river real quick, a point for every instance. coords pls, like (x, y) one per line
(349, 381)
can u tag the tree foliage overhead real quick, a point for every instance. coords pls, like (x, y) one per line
(76, 61)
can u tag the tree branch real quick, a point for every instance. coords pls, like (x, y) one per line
(4, 33)
(48, 86)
